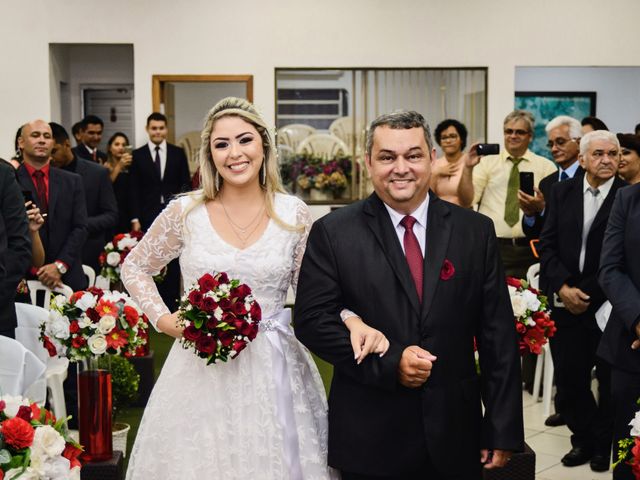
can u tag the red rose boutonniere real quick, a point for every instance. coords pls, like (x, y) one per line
(447, 271)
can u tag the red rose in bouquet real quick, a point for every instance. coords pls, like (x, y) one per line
(17, 432)
(116, 251)
(220, 317)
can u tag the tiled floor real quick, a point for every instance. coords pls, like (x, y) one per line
(550, 445)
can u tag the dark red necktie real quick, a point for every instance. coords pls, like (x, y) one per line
(94, 155)
(413, 253)
(42, 191)
(157, 162)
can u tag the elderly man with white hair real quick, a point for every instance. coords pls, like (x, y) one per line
(577, 211)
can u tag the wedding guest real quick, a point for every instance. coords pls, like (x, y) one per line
(91, 129)
(118, 163)
(589, 124)
(629, 166)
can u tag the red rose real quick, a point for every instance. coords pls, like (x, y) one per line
(131, 315)
(225, 304)
(3, 405)
(18, 433)
(74, 327)
(191, 333)
(239, 324)
(76, 296)
(51, 348)
(1, 474)
(25, 413)
(252, 331)
(209, 304)
(256, 312)
(239, 345)
(447, 270)
(211, 323)
(239, 308)
(207, 282)
(137, 235)
(102, 259)
(98, 292)
(241, 291)
(93, 314)
(71, 453)
(520, 328)
(534, 339)
(36, 411)
(226, 338)
(78, 342)
(206, 344)
(195, 298)
(223, 277)
(514, 282)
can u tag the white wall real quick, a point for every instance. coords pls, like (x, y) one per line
(617, 89)
(254, 37)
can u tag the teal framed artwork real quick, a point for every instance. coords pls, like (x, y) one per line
(546, 105)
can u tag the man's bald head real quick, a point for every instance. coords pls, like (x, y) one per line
(36, 142)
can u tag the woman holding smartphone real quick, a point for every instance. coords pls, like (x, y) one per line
(118, 162)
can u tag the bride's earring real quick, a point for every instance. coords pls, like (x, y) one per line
(217, 180)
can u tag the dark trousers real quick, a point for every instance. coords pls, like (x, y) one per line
(427, 472)
(169, 288)
(625, 390)
(574, 356)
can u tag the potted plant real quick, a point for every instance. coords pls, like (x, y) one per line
(124, 391)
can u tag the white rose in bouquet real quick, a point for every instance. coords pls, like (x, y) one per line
(47, 442)
(519, 305)
(113, 259)
(97, 344)
(28, 474)
(13, 404)
(127, 242)
(115, 296)
(532, 300)
(88, 300)
(635, 425)
(109, 246)
(84, 321)
(106, 324)
(59, 301)
(58, 325)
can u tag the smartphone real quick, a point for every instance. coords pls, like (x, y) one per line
(128, 149)
(28, 196)
(526, 182)
(488, 149)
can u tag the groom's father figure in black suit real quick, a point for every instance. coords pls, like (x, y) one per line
(159, 171)
(427, 274)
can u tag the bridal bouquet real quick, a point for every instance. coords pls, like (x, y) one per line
(219, 316)
(531, 312)
(93, 323)
(629, 448)
(112, 258)
(33, 444)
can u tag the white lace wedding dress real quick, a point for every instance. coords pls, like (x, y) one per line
(260, 416)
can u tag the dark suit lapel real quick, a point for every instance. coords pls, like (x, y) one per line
(605, 209)
(168, 168)
(54, 191)
(379, 222)
(152, 163)
(437, 242)
(575, 204)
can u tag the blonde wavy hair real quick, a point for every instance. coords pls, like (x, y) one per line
(239, 107)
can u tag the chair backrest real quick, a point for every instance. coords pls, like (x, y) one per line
(35, 286)
(343, 129)
(21, 372)
(292, 135)
(323, 145)
(533, 276)
(90, 273)
(30, 317)
(190, 142)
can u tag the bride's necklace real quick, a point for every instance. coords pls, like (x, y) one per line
(241, 232)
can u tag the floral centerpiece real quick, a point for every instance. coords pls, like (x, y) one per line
(112, 258)
(531, 313)
(92, 323)
(629, 448)
(33, 444)
(307, 172)
(220, 317)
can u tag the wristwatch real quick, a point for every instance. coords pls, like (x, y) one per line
(61, 267)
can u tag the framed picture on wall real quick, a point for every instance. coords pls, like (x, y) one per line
(546, 105)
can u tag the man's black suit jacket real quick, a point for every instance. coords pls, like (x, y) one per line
(561, 242)
(15, 245)
(146, 186)
(65, 230)
(545, 186)
(620, 280)
(81, 151)
(102, 209)
(354, 260)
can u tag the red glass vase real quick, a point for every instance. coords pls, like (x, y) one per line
(94, 411)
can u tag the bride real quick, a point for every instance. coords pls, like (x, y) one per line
(262, 415)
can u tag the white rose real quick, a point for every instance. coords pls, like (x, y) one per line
(109, 246)
(87, 300)
(97, 344)
(114, 296)
(57, 468)
(13, 404)
(113, 259)
(127, 242)
(84, 321)
(59, 301)
(635, 425)
(531, 322)
(48, 441)
(58, 325)
(106, 324)
(532, 300)
(519, 305)
(217, 313)
(28, 474)
(74, 473)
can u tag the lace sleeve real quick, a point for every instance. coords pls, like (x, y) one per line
(303, 217)
(161, 244)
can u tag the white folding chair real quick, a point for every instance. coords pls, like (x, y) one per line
(30, 317)
(544, 367)
(35, 286)
(533, 276)
(90, 273)
(21, 372)
(324, 145)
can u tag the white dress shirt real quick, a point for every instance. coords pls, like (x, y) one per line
(591, 205)
(163, 155)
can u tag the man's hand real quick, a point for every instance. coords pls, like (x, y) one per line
(135, 226)
(365, 339)
(636, 343)
(531, 205)
(574, 299)
(50, 276)
(494, 458)
(415, 366)
(471, 158)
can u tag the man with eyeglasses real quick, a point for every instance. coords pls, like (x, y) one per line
(564, 134)
(496, 182)
(571, 242)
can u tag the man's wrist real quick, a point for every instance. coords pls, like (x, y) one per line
(61, 267)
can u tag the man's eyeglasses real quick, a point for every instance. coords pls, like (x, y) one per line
(519, 132)
(559, 142)
(452, 137)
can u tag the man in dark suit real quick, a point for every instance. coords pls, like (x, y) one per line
(90, 133)
(159, 171)
(15, 246)
(102, 210)
(620, 280)
(60, 196)
(414, 412)
(571, 241)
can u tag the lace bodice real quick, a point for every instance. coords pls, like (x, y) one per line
(268, 266)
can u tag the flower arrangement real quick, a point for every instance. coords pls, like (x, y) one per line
(33, 444)
(219, 316)
(531, 312)
(112, 258)
(312, 171)
(629, 448)
(94, 323)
